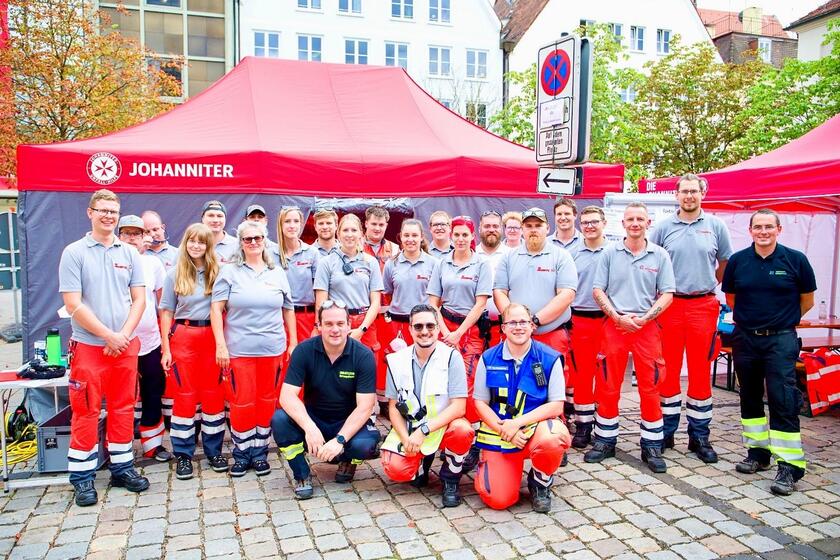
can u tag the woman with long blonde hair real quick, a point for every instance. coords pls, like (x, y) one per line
(188, 351)
(300, 261)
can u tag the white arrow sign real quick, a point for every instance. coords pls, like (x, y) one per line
(560, 181)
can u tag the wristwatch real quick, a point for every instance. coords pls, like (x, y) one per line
(536, 320)
(425, 429)
(364, 329)
(341, 439)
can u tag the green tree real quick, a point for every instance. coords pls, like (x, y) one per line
(516, 120)
(786, 103)
(70, 80)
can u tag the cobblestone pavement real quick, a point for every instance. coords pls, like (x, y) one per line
(617, 509)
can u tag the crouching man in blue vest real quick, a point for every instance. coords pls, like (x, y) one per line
(519, 395)
(426, 388)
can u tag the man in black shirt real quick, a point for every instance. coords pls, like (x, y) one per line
(332, 422)
(769, 287)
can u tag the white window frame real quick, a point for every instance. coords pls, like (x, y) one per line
(350, 7)
(356, 55)
(634, 38)
(438, 61)
(628, 94)
(474, 69)
(405, 6)
(442, 10)
(266, 44)
(397, 60)
(310, 49)
(663, 41)
(617, 30)
(765, 49)
(316, 5)
(476, 105)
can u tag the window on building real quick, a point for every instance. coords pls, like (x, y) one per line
(165, 32)
(765, 49)
(477, 113)
(448, 103)
(402, 9)
(126, 22)
(396, 54)
(587, 23)
(203, 74)
(169, 67)
(167, 3)
(439, 11)
(350, 6)
(355, 51)
(309, 48)
(309, 4)
(476, 64)
(637, 38)
(440, 61)
(266, 43)
(628, 94)
(206, 36)
(618, 31)
(212, 6)
(663, 41)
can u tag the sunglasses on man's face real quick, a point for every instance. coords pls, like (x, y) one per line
(419, 327)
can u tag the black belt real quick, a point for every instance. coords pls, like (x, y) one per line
(589, 314)
(450, 316)
(193, 322)
(495, 322)
(767, 332)
(693, 296)
(567, 325)
(398, 318)
(357, 310)
(305, 308)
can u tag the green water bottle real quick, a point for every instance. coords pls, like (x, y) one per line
(53, 347)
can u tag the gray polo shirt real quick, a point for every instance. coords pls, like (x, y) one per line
(323, 252)
(456, 387)
(226, 249)
(533, 279)
(300, 272)
(458, 285)
(167, 254)
(437, 253)
(586, 262)
(104, 276)
(572, 245)
(695, 248)
(631, 282)
(195, 306)
(556, 379)
(353, 289)
(494, 259)
(406, 282)
(254, 319)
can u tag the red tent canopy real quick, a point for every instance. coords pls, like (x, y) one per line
(299, 128)
(803, 175)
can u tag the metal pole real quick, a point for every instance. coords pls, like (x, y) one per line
(834, 267)
(13, 262)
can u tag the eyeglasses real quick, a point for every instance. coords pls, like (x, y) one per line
(765, 227)
(132, 233)
(692, 192)
(533, 213)
(285, 208)
(439, 224)
(252, 239)
(419, 327)
(490, 213)
(517, 324)
(589, 223)
(104, 212)
(513, 228)
(333, 303)
(464, 217)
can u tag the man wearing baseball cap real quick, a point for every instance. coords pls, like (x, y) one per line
(256, 213)
(214, 216)
(101, 282)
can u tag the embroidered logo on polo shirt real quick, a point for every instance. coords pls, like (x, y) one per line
(123, 266)
(303, 263)
(347, 374)
(545, 269)
(472, 278)
(648, 268)
(423, 277)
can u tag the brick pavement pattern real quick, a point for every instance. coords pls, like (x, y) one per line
(616, 509)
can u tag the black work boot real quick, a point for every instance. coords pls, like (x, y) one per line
(450, 493)
(471, 460)
(653, 457)
(421, 479)
(751, 465)
(668, 442)
(85, 493)
(583, 435)
(784, 485)
(599, 452)
(705, 451)
(130, 480)
(540, 497)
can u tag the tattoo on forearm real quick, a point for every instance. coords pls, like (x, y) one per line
(654, 313)
(605, 306)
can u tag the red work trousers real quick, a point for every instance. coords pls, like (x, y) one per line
(382, 330)
(94, 375)
(253, 387)
(196, 380)
(500, 474)
(587, 334)
(305, 323)
(559, 340)
(456, 443)
(470, 346)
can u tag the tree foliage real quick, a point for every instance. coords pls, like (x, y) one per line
(69, 80)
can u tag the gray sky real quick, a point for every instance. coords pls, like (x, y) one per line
(786, 10)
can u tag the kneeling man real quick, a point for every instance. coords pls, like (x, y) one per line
(519, 395)
(332, 422)
(426, 388)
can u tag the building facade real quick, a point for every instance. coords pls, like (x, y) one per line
(201, 32)
(812, 28)
(449, 47)
(743, 36)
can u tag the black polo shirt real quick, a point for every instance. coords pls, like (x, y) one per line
(329, 389)
(767, 290)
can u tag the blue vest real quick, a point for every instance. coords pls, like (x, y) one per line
(512, 394)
